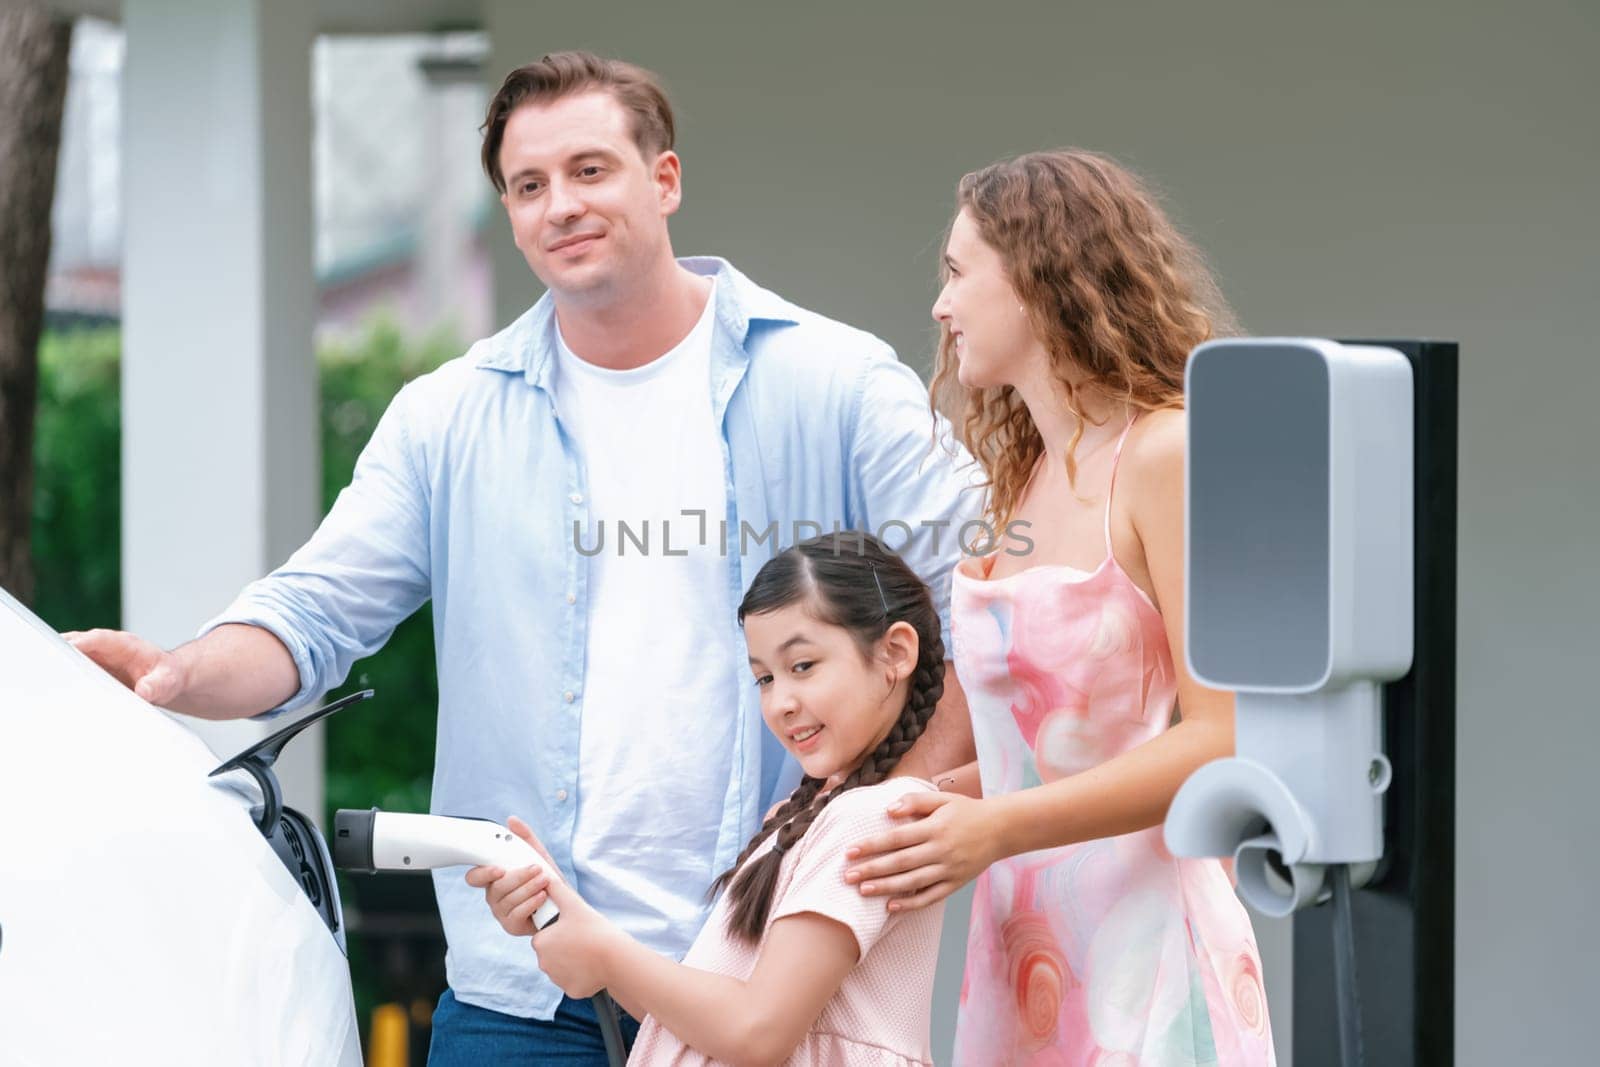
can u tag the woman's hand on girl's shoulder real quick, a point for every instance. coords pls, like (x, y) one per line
(945, 840)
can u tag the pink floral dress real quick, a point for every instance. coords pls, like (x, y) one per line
(1109, 952)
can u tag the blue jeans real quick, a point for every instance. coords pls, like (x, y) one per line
(465, 1035)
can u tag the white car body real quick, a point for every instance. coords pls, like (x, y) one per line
(143, 918)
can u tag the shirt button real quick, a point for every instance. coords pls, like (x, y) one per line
(572, 598)
(561, 794)
(576, 498)
(569, 696)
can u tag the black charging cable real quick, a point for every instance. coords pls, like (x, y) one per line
(610, 1016)
(1346, 992)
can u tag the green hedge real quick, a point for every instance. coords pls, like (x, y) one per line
(380, 753)
(77, 481)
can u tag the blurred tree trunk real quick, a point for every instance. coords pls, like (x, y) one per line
(33, 88)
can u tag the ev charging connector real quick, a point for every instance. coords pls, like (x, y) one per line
(1299, 581)
(375, 842)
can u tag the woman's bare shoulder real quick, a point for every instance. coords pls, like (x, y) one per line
(1156, 445)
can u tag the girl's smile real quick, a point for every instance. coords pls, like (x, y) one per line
(805, 740)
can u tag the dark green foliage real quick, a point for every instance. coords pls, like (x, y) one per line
(77, 485)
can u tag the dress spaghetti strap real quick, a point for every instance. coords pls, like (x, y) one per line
(1116, 460)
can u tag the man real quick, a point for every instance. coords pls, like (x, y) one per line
(585, 496)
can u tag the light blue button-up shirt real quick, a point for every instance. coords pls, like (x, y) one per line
(470, 492)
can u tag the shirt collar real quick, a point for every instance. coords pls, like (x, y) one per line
(528, 345)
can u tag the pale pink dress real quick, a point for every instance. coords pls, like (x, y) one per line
(1109, 952)
(880, 1015)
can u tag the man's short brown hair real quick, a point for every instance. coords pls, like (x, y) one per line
(564, 73)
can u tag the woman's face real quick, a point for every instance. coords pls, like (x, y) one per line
(828, 703)
(990, 332)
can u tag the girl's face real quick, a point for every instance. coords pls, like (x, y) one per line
(828, 703)
(992, 337)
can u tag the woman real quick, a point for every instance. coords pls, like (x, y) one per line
(1069, 306)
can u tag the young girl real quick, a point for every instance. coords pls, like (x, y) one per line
(794, 966)
(1069, 307)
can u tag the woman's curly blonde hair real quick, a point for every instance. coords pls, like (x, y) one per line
(1111, 287)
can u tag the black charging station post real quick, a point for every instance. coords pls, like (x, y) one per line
(1405, 918)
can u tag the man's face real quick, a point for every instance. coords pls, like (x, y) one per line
(588, 212)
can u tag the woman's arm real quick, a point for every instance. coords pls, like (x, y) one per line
(946, 747)
(963, 780)
(952, 839)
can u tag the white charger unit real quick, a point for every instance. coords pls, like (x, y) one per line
(1299, 557)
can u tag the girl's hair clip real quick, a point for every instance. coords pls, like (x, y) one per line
(875, 581)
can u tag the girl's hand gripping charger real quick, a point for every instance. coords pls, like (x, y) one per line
(373, 841)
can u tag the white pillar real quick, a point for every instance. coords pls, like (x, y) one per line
(513, 41)
(219, 397)
(452, 110)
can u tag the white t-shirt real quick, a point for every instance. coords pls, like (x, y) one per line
(660, 708)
